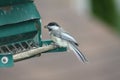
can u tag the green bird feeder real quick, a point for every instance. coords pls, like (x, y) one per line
(20, 28)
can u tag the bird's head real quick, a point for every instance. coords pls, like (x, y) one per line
(52, 26)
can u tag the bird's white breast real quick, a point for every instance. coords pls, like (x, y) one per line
(59, 41)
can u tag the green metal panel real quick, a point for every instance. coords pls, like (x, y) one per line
(18, 13)
(38, 37)
(18, 32)
(10, 2)
(19, 28)
(19, 22)
(6, 60)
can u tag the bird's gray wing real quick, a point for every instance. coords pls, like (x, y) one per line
(64, 36)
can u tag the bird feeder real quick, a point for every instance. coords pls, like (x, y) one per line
(20, 30)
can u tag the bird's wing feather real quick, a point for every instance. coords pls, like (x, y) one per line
(78, 53)
(64, 36)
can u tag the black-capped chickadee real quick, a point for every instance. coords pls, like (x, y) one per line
(63, 39)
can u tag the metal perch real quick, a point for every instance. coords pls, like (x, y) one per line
(32, 52)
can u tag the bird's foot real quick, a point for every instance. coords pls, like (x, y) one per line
(56, 45)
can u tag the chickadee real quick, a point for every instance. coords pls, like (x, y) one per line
(63, 39)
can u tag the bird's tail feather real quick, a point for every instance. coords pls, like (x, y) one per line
(78, 53)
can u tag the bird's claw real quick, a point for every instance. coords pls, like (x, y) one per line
(54, 44)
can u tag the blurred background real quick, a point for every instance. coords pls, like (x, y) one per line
(95, 25)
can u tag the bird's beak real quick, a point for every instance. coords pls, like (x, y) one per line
(45, 26)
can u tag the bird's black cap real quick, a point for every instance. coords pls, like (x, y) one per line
(52, 24)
